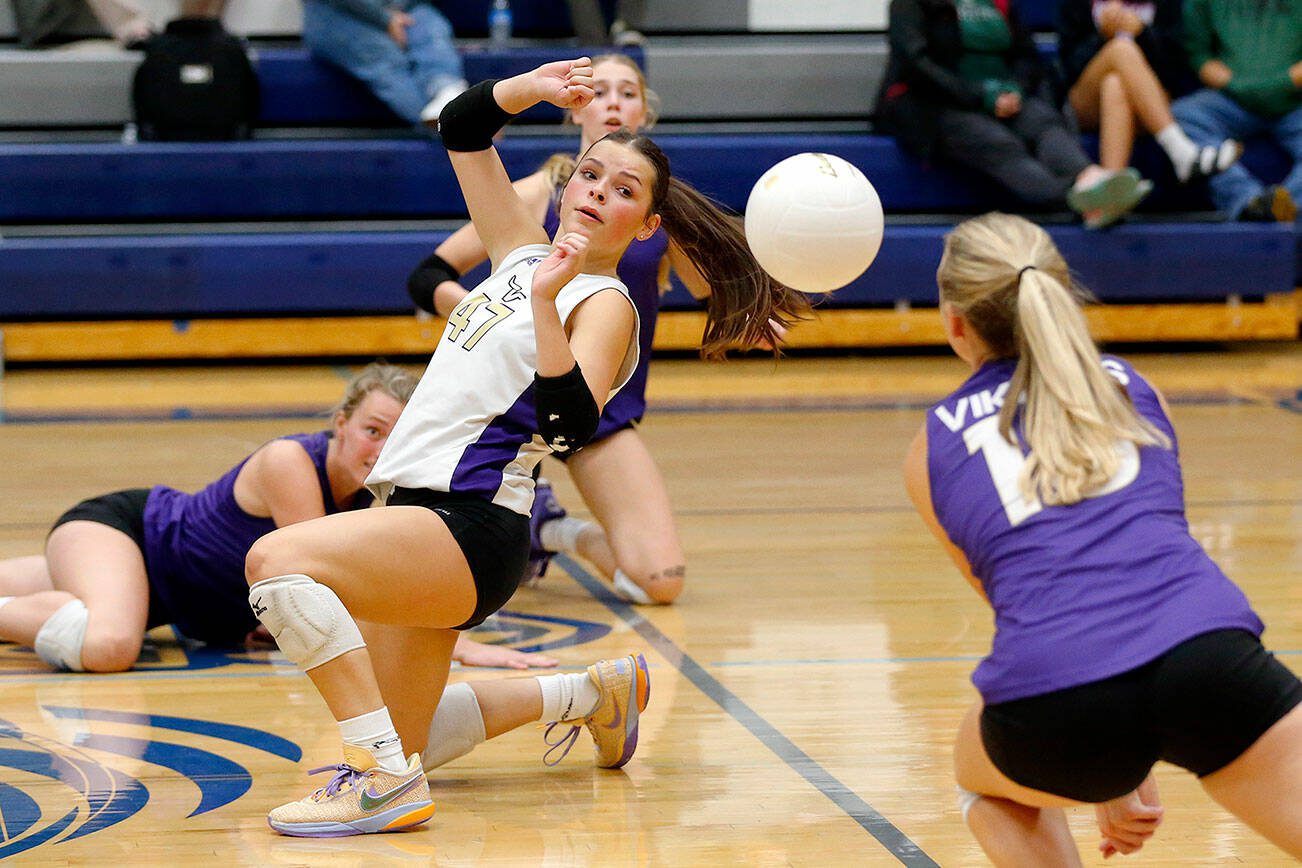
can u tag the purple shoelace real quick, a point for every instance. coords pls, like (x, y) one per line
(563, 743)
(344, 774)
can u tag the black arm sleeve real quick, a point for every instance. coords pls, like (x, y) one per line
(422, 282)
(567, 413)
(470, 121)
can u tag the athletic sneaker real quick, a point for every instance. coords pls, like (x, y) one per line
(362, 797)
(625, 686)
(545, 508)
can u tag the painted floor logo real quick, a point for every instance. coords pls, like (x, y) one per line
(164, 653)
(54, 792)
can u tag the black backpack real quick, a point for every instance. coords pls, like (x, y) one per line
(195, 84)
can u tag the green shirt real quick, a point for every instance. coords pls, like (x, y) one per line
(1258, 40)
(986, 39)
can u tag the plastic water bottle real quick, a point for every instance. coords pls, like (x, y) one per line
(499, 23)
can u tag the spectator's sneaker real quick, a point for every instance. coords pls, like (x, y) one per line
(625, 687)
(1105, 217)
(545, 508)
(448, 92)
(624, 36)
(1210, 160)
(1271, 205)
(1105, 194)
(362, 797)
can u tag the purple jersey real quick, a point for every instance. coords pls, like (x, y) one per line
(195, 546)
(639, 270)
(1080, 592)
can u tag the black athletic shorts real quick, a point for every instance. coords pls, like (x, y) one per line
(124, 511)
(494, 540)
(1199, 706)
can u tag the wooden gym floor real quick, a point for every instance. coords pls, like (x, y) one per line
(804, 690)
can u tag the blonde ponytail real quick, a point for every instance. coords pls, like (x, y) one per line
(1013, 286)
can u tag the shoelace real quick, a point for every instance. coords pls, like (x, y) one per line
(344, 775)
(563, 743)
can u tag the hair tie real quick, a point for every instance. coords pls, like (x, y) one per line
(1024, 269)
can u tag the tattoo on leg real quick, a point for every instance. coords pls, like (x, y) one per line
(677, 572)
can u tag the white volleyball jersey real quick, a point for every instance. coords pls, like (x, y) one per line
(470, 426)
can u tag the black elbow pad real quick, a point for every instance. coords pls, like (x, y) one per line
(567, 413)
(422, 282)
(470, 121)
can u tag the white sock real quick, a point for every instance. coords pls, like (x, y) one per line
(1091, 176)
(630, 591)
(569, 697)
(562, 534)
(1180, 149)
(374, 731)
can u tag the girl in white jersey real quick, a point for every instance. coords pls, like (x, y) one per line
(524, 365)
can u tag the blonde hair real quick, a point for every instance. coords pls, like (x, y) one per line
(1004, 274)
(558, 167)
(390, 379)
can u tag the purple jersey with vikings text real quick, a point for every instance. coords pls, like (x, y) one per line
(1080, 592)
(195, 546)
(639, 270)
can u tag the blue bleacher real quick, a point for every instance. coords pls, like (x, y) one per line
(364, 272)
(57, 274)
(411, 177)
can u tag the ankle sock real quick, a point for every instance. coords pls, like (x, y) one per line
(568, 696)
(562, 534)
(374, 731)
(1180, 149)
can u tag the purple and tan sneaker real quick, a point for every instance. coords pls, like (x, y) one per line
(625, 687)
(545, 508)
(361, 798)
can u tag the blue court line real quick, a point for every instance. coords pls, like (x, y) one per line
(890, 837)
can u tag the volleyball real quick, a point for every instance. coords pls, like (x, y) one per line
(814, 222)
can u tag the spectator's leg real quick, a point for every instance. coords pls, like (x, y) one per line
(985, 145)
(1288, 132)
(432, 51)
(1116, 124)
(123, 18)
(1045, 132)
(1210, 117)
(589, 22)
(367, 53)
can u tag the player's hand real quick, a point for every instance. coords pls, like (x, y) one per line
(565, 83)
(398, 24)
(1127, 822)
(468, 652)
(566, 261)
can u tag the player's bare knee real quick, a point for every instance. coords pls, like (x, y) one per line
(110, 650)
(657, 586)
(268, 557)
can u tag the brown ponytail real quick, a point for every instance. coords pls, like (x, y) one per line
(745, 303)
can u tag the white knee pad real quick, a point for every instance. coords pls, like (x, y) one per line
(966, 799)
(310, 624)
(458, 726)
(60, 638)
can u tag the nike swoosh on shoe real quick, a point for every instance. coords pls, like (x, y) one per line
(371, 801)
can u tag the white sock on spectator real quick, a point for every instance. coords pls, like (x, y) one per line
(1179, 148)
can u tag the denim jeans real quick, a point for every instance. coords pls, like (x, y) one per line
(404, 80)
(1209, 117)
